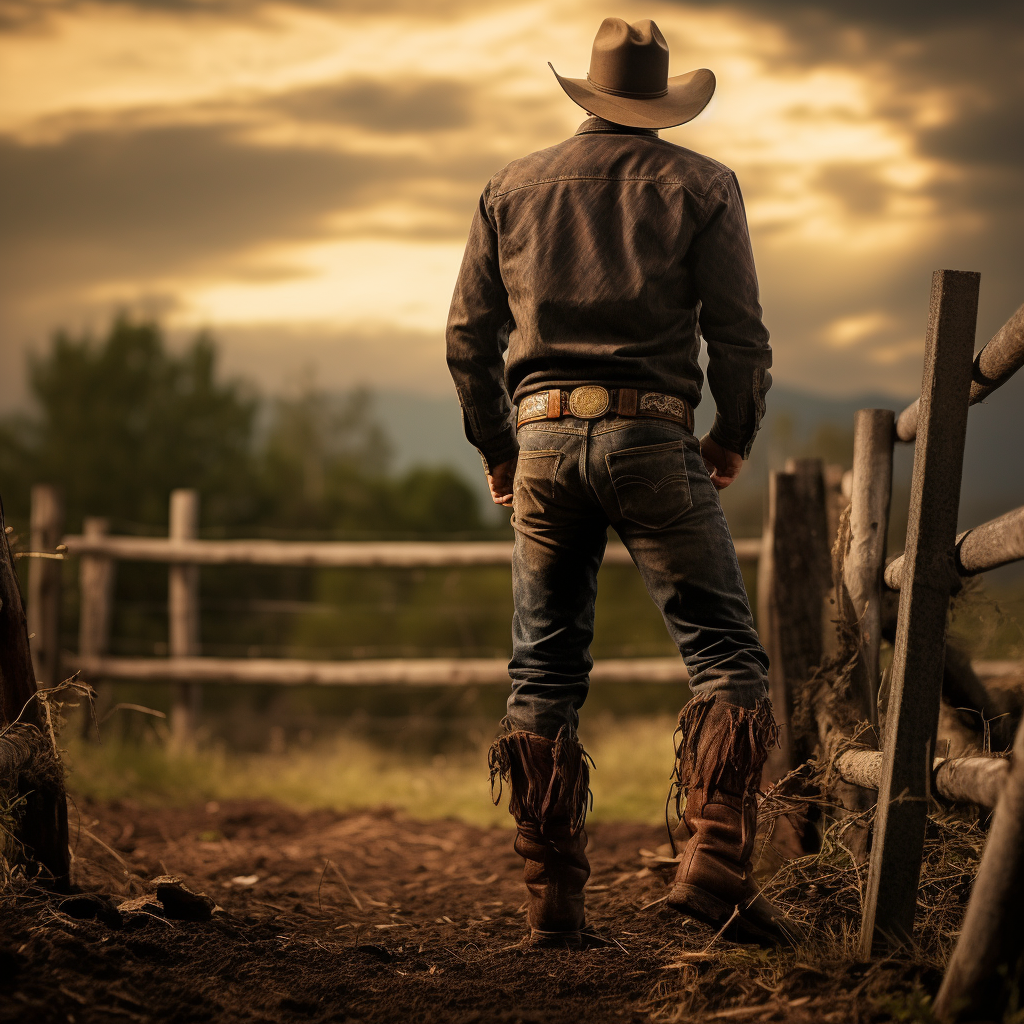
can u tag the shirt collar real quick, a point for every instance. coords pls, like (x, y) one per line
(598, 125)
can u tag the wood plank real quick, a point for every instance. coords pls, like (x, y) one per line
(873, 433)
(916, 677)
(392, 671)
(797, 550)
(983, 975)
(96, 575)
(183, 616)
(958, 780)
(44, 578)
(329, 554)
(994, 365)
(43, 828)
(996, 543)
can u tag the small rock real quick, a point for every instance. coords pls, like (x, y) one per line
(147, 904)
(89, 906)
(181, 902)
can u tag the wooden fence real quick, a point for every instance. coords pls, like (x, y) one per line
(796, 583)
(905, 771)
(182, 551)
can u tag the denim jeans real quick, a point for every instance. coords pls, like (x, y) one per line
(645, 478)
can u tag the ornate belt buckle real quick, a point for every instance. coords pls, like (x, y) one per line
(589, 402)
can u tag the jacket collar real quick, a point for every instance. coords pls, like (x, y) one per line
(598, 125)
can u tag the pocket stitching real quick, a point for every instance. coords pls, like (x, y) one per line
(664, 446)
(548, 480)
(625, 478)
(644, 481)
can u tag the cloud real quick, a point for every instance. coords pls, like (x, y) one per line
(252, 159)
(811, 20)
(861, 190)
(21, 15)
(420, 106)
(175, 192)
(143, 217)
(183, 198)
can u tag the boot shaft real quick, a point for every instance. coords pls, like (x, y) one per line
(548, 780)
(721, 752)
(549, 792)
(723, 746)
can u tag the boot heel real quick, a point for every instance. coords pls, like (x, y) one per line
(555, 940)
(700, 903)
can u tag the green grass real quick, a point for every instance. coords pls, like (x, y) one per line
(633, 756)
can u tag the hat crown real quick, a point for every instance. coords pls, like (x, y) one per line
(629, 60)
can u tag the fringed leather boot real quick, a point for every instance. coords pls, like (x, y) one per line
(721, 752)
(549, 793)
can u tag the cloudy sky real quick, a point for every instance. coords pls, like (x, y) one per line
(299, 176)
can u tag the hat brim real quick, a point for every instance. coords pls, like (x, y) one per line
(687, 96)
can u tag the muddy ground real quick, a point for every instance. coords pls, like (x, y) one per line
(372, 917)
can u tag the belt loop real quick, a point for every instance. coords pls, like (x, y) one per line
(627, 402)
(554, 404)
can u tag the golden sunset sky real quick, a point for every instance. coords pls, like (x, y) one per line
(299, 177)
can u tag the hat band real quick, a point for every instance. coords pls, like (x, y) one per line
(625, 94)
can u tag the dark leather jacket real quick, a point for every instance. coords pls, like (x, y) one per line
(602, 260)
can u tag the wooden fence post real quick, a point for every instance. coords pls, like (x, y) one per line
(96, 575)
(791, 599)
(916, 682)
(43, 828)
(984, 970)
(46, 520)
(183, 616)
(873, 437)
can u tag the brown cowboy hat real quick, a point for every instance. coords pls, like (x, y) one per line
(628, 80)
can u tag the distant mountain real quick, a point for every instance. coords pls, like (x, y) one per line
(429, 430)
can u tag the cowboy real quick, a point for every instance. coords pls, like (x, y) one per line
(593, 269)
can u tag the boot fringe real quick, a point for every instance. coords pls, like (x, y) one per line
(536, 801)
(737, 742)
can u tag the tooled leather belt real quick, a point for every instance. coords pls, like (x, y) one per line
(591, 401)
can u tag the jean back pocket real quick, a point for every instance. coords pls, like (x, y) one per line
(650, 483)
(534, 484)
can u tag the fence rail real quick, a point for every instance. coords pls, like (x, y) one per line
(327, 554)
(184, 553)
(989, 546)
(958, 780)
(993, 366)
(382, 671)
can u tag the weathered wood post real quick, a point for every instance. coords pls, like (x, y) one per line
(913, 710)
(790, 601)
(96, 575)
(873, 437)
(835, 500)
(985, 967)
(96, 592)
(183, 616)
(46, 521)
(43, 826)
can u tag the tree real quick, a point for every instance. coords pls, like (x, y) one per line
(123, 421)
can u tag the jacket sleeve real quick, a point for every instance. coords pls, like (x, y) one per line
(739, 355)
(476, 339)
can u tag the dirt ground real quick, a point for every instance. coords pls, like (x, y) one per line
(376, 918)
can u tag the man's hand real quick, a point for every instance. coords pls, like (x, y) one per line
(723, 465)
(499, 480)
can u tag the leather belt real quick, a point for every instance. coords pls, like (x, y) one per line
(591, 402)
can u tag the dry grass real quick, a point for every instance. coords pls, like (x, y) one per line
(634, 760)
(824, 979)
